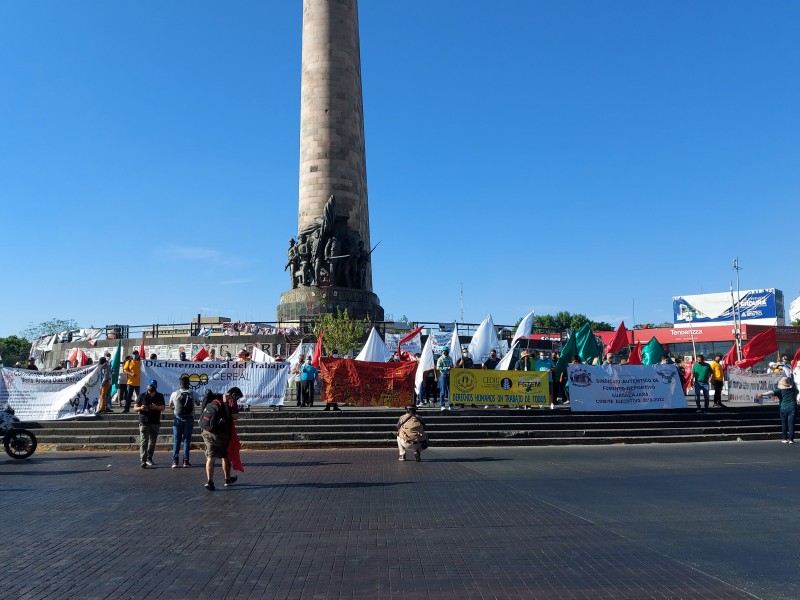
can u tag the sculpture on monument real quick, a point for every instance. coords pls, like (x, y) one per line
(327, 255)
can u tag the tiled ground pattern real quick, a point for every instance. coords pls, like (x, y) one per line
(309, 524)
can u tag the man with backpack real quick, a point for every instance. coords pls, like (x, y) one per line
(411, 434)
(216, 423)
(182, 402)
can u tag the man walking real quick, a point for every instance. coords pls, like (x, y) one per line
(717, 379)
(149, 405)
(216, 425)
(182, 402)
(701, 374)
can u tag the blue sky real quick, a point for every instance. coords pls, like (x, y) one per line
(559, 156)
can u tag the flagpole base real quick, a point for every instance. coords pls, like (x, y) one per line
(308, 302)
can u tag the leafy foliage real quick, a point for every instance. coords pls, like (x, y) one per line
(796, 323)
(340, 332)
(48, 328)
(14, 349)
(563, 321)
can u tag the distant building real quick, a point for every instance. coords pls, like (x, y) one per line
(794, 310)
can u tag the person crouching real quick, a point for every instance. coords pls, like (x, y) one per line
(411, 434)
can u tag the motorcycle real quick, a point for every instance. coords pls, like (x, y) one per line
(18, 443)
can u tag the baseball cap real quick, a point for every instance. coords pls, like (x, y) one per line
(152, 383)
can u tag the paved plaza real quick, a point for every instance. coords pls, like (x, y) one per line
(654, 521)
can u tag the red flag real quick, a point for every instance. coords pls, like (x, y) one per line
(796, 360)
(619, 341)
(73, 358)
(635, 357)
(730, 357)
(141, 349)
(410, 336)
(82, 358)
(201, 355)
(317, 352)
(758, 348)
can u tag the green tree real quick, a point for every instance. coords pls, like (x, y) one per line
(796, 323)
(14, 349)
(48, 328)
(563, 320)
(340, 332)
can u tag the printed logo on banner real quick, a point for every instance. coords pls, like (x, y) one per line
(196, 381)
(666, 374)
(506, 383)
(466, 380)
(580, 377)
(529, 384)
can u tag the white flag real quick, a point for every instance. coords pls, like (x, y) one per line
(375, 349)
(524, 327)
(505, 362)
(425, 363)
(484, 341)
(455, 345)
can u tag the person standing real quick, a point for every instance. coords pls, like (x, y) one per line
(701, 374)
(294, 374)
(182, 402)
(443, 366)
(149, 405)
(212, 356)
(133, 368)
(411, 434)
(216, 433)
(465, 362)
(105, 384)
(492, 361)
(717, 379)
(122, 384)
(786, 392)
(308, 373)
(525, 362)
(545, 363)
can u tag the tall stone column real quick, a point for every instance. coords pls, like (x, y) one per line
(332, 159)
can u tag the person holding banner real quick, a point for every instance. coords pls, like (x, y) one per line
(701, 374)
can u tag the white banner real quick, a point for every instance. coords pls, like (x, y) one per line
(46, 396)
(624, 387)
(412, 346)
(441, 339)
(750, 387)
(261, 383)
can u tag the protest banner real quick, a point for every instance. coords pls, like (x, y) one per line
(361, 383)
(51, 395)
(503, 388)
(261, 383)
(624, 387)
(750, 387)
(412, 346)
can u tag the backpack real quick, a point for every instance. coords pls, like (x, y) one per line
(215, 417)
(183, 404)
(411, 430)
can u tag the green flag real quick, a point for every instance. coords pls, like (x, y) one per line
(115, 370)
(588, 349)
(652, 352)
(569, 351)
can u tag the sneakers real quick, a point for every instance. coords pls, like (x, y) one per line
(402, 457)
(210, 486)
(785, 441)
(186, 464)
(442, 408)
(149, 462)
(791, 441)
(144, 464)
(174, 464)
(231, 481)
(417, 457)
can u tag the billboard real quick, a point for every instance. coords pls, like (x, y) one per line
(756, 307)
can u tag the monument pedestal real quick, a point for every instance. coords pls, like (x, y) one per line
(307, 302)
